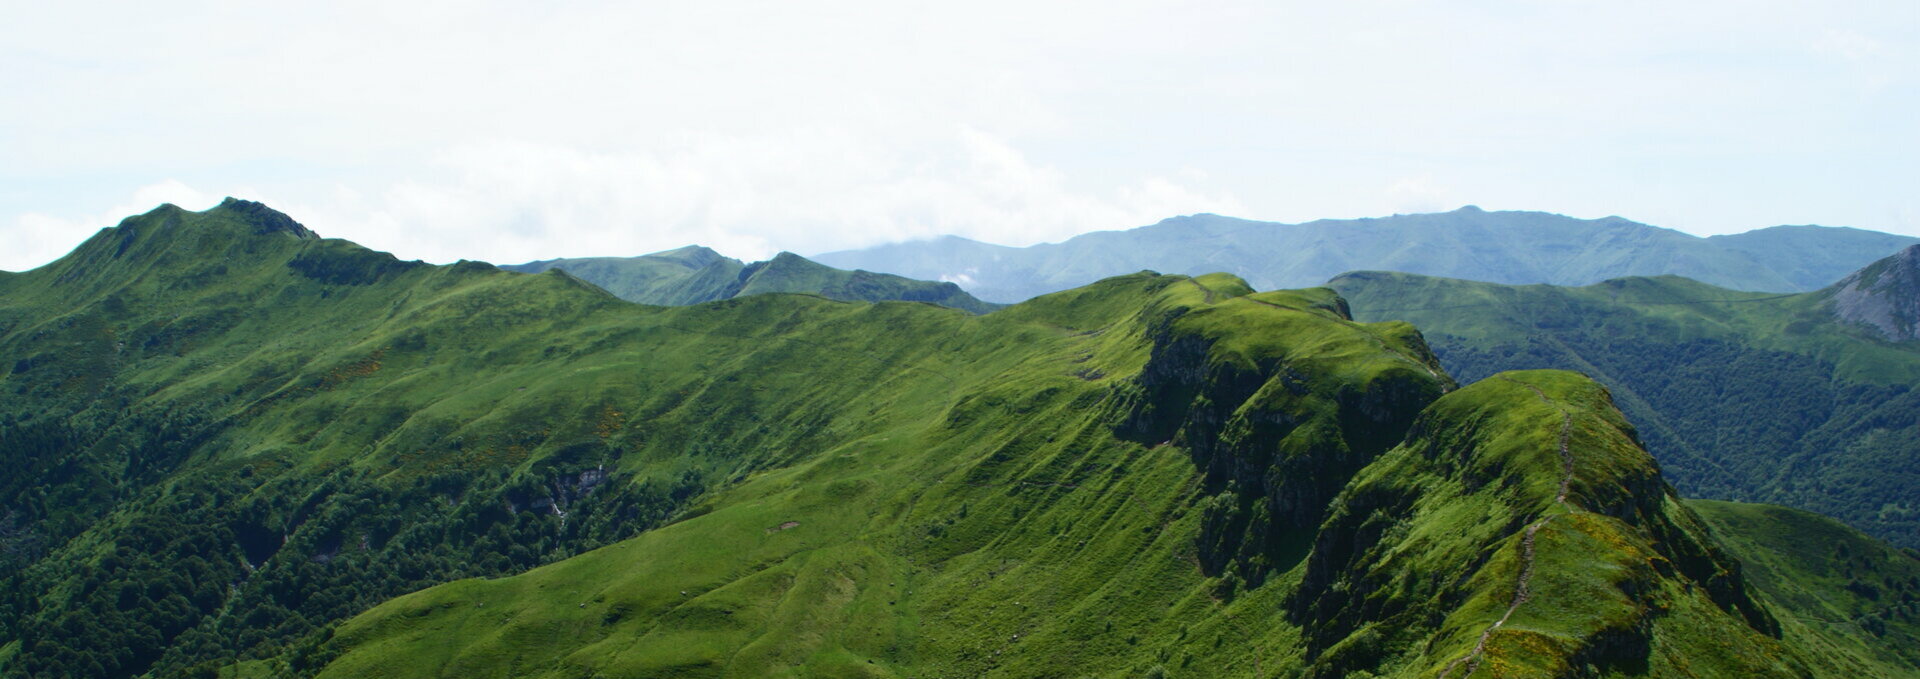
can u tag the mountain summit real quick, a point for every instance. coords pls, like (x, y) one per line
(264, 219)
(1884, 296)
(695, 274)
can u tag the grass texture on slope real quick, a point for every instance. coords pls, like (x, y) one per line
(242, 433)
(1001, 530)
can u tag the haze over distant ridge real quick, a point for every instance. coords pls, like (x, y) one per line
(754, 128)
(1513, 247)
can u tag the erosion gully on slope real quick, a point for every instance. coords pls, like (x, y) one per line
(1522, 588)
(1209, 297)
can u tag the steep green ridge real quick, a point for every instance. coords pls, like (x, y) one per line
(1502, 247)
(694, 274)
(242, 449)
(1745, 396)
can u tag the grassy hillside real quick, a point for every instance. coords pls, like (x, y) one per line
(199, 400)
(1745, 396)
(1518, 532)
(245, 450)
(694, 274)
(1503, 247)
(1836, 587)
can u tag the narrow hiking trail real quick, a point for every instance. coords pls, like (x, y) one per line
(1203, 289)
(1523, 585)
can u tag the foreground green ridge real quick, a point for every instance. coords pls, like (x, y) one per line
(694, 274)
(245, 450)
(1474, 548)
(1805, 400)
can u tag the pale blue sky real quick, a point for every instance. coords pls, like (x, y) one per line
(515, 131)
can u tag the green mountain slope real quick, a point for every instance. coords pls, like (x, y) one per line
(1517, 532)
(1770, 398)
(319, 427)
(1835, 586)
(1502, 247)
(694, 274)
(241, 449)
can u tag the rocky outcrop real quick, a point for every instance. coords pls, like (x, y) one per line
(348, 265)
(265, 220)
(1274, 434)
(1884, 296)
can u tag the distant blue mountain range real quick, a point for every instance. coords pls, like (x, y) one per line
(1470, 243)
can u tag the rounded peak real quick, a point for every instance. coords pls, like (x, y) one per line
(694, 256)
(686, 250)
(787, 262)
(1201, 218)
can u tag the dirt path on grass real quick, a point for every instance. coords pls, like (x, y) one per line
(1523, 585)
(1203, 288)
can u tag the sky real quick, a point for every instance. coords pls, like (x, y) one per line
(514, 131)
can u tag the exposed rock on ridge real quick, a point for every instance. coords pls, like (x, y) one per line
(1884, 296)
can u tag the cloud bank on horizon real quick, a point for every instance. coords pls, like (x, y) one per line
(509, 132)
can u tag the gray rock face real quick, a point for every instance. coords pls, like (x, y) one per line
(1885, 296)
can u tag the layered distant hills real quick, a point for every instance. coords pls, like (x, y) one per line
(1470, 243)
(695, 274)
(1807, 399)
(238, 449)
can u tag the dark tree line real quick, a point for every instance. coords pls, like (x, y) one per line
(240, 561)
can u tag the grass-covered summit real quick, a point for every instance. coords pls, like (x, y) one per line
(695, 274)
(242, 449)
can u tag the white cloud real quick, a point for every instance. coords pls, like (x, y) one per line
(810, 191)
(507, 131)
(37, 238)
(1418, 194)
(1849, 45)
